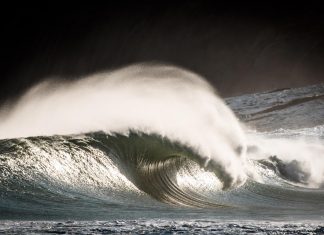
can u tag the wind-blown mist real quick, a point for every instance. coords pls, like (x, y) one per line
(151, 99)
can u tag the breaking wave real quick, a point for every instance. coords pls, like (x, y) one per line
(143, 135)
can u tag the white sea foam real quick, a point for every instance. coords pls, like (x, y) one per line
(301, 151)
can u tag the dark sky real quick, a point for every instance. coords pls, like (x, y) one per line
(238, 48)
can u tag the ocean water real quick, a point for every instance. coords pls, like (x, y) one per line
(176, 169)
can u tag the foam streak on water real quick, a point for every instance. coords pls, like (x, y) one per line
(162, 227)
